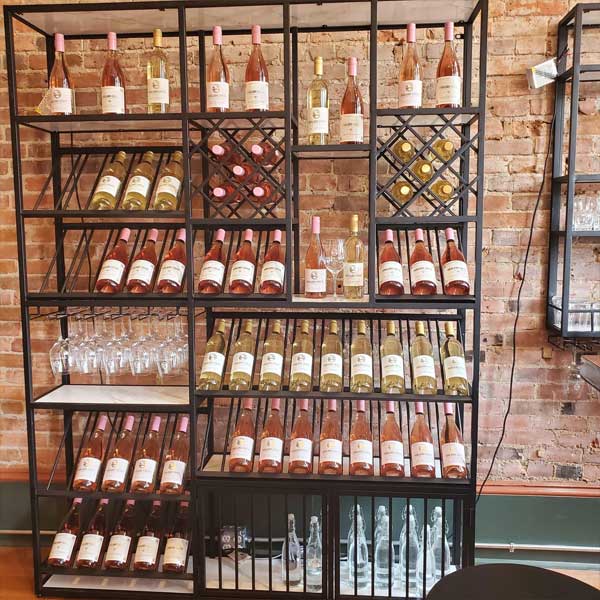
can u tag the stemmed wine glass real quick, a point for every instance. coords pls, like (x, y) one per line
(334, 259)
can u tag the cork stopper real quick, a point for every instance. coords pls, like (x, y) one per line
(420, 328)
(319, 65)
(157, 38)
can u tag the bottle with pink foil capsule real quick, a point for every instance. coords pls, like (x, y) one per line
(241, 278)
(263, 193)
(212, 272)
(454, 464)
(422, 459)
(242, 442)
(175, 461)
(217, 76)
(448, 86)
(256, 89)
(391, 279)
(271, 441)
(172, 270)
(422, 272)
(92, 542)
(113, 81)
(411, 75)
(61, 94)
(146, 465)
(330, 443)
(225, 153)
(141, 273)
(272, 276)
(301, 461)
(392, 450)
(361, 442)
(117, 465)
(454, 267)
(352, 108)
(265, 154)
(112, 273)
(90, 459)
(315, 273)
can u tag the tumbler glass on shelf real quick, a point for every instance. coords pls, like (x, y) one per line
(334, 259)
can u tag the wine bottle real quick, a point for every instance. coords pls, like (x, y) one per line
(443, 149)
(392, 362)
(92, 542)
(272, 276)
(291, 555)
(317, 102)
(270, 459)
(454, 464)
(422, 169)
(361, 361)
(330, 444)
(241, 278)
(421, 354)
(361, 443)
(117, 466)
(454, 268)
(411, 74)
(443, 189)
(176, 546)
(453, 357)
(90, 459)
(211, 373)
(212, 272)
(146, 552)
(354, 259)
(422, 460)
(146, 464)
(217, 76)
(404, 150)
(391, 279)
(256, 88)
(422, 271)
(392, 450)
(302, 359)
(106, 194)
(315, 273)
(272, 360)
(119, 545)
(64, 541)
(266, 154)
(136, 192)
(332, 361)
(170, 276)
(113, 81)
(242, 364)
(61, 93)
(110, 278)
(402, 191)
(242, 443)
(448, 85)
(314, 558)
(301, 442)
(157, 76)
(226, 153)
(141, 273)
(352, 109)
(263, 194)
(169, 184)
(175, 461)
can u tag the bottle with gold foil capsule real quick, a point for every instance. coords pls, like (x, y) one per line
(422, 458)
(213, 365)
(317, 100)
(361, 360)
(453, 357)
(443, 189)
(157, 76)
(402, 191)
(454, 464)
(392, 449)
(443, 149)
(90, 459)
(404, 150)
(332, 361)
(423, 367)
(270, 459)
(392, 362)
(330, 444)
(354, 261)
(302, 359)
(138, 187)
(301, 442)
(168, 188)
(92, 542)
(422, 169)
(241, 452)
(361, 442)
(271, 367)
(106, 194)
(242, 363)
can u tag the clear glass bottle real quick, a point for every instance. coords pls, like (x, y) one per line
(138, 187)
(217, 76)
(385, 556)
(314, 558)
(425, 562)
(330, 446)
(392, 362)
(256, 89)
(448, 85)
(354, 260)
(392, 450)
(242, 442)
(61, 93)
(271, 367)
(453, 363)
(61, 552)
(317, 102)
(423, 366)
(454, 464)
(411, 74)
(301, 442)
(242, 364)
(90, 459)
(402, 191)
(409, 548)
(106, 194)
(302, 359)
(211, 373)
(361, 361)
(391, 278)
(332, 361)
(422, 272)
(358, 557)
(422, 169)
(291, 555)
(315, 273)
(168, 188)
(361, 442)
(422, 458)
(352, 108)
(113, 81)
(157, 76)
(270, 459)
(439, 542)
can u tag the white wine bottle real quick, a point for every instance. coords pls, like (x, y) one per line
(136, 192)
(302, 359)
(157, 76)
(211, 373)
(317, 99)
(421, 355)
(392, 362)
(169, 184)
(242, 363)
(332, 361)
(106, 194)
(453, 357)
(354, 259)
(271, 367)
(361, 361)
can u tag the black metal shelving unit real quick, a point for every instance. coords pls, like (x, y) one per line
(251, 508)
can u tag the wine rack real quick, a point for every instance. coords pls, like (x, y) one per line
(240, 520)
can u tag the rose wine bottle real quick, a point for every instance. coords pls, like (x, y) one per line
(272, 360)
(119, 547)
(315, 273)
(170, 276)
(226, 154)
(453, 357)
(157, 76)
(61, 93)
(330, 445)
(211, 373)
(317, 105)
(422, 271)
(242, 363)
(92, 542)
(454, 465)
(217, 76)
(411, 75)
(146, 464)
(392, 450)
(422, 460)
(361, 443)
(448, 87)
(212, 272)
(61, 551)
(263, 193)
(136, 192)
(270, 459)
(176, 459)
(176, 546)
(302, 359)
(392, 362)
(352, 109)
(90, 459)
(113, 81)
(111, 276)
(354, 259)
(301, 442)
(146, 553)
(241, 278)
(117, 465)
(423, 368)
(391, 279)
(225, 193)
(256, 88)
(141, 274)
(242, 442)
(106, 194)
(361, 361)
(169, 184)
(272, 276)
(266, 154)
(332, 361)
(454, 268)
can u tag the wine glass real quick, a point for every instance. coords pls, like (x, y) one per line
(334, 259)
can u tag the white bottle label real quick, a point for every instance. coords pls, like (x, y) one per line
(213, 363)
(272, 363)
(361, 451)
(454, 366)
(158, 90)
(108, 184)
(61, 100)
(273, 270)
(301, 363)
(332, 364)
(175, 552)
(331, 451)
(315, 280)
(172, 270)
(423, 366)
(241, 447)
(422, 454)
(144, 470)
(422, 270)
(138, 184)
(116, 470)
(118, 548)
(301, 450)
(147, 549)
(141, 270)
(87, 469)
(353, 274)
(362, 364)
(112, 270)
(392, 452)
(217, 94)
(455, 270)
(257, 95)
(453, 455)
(448, 90)
(168, 185)
(90, 548)
(392, 365)
(351, 128)
(391, 270)
(173, 472)
(113, 99)
(271, 448)
(242, 362)
(318, 120)
(62, 546)
(410, 93)
(213, 270)
(242, 270)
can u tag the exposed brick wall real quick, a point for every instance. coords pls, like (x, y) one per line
(553, 426)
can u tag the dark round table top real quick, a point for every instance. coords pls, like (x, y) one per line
(510, 582)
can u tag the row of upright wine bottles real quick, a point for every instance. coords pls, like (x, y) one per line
(330, 458)
(424, 380)
(98, 546)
